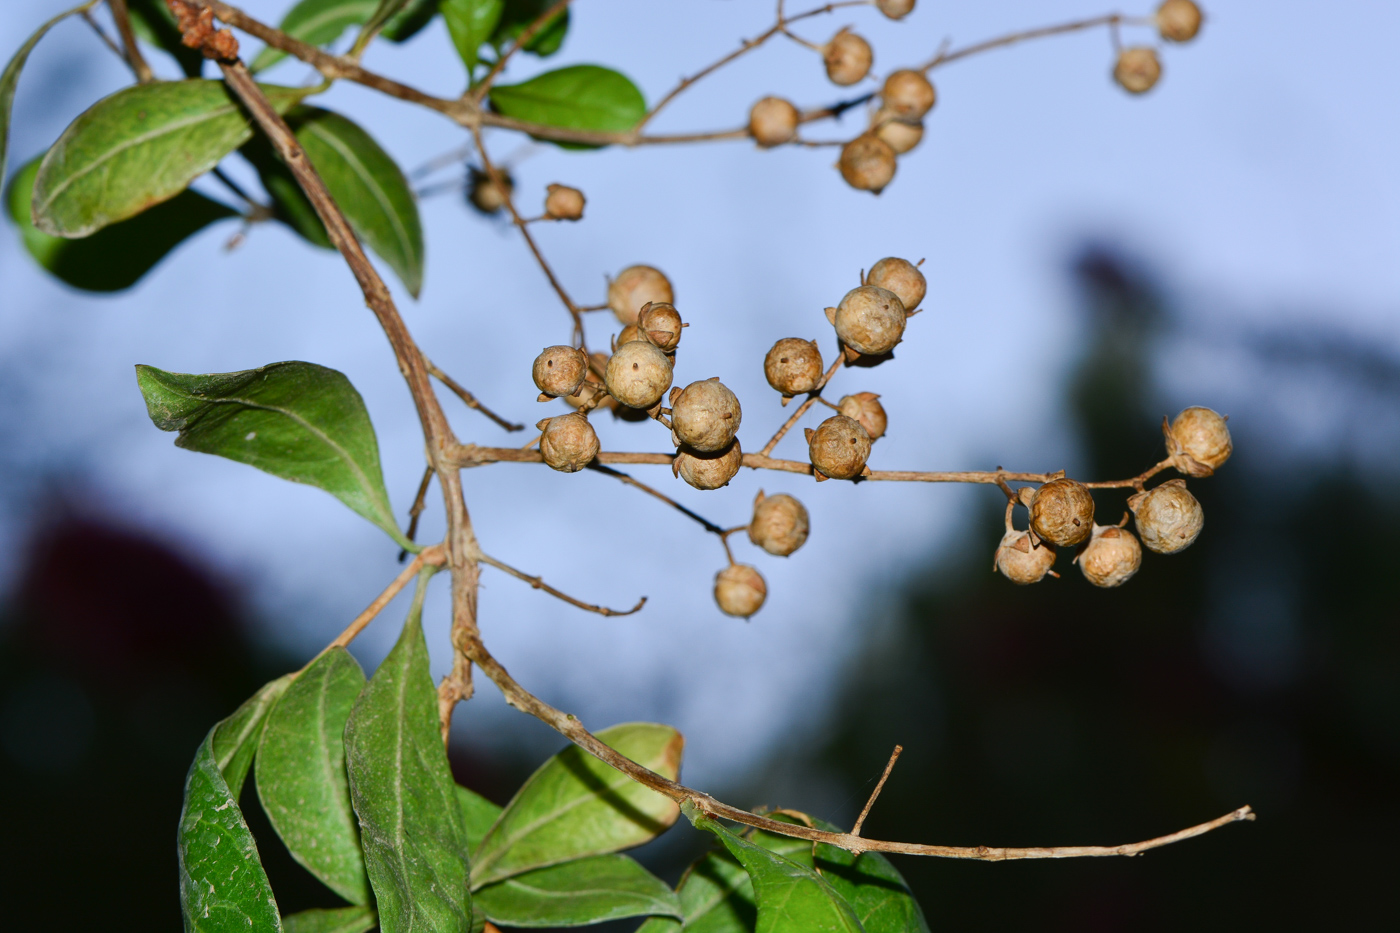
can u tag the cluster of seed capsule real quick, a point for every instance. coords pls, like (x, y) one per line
(906, 96)
(1168, 517)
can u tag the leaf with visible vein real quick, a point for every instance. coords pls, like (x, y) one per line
(299, 421)
(410, 821)
(235, 739)
(580, 97)
(301, 774)
(584, 891)
(575, 805)
(9, 78)
(334, 920)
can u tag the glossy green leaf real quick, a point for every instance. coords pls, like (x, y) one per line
(235, 739)
(478, 816)
(470, 23)
(223, 888)
(141, 146)
(321, 22)
(519, 14)
(301, 774)
(153, 23)
(334, 920)
(118, 256)
(580, 97)
(410, 821)
(299, 421)
(872, 886)
(577, 893)
(791, 897)
(9, 78)
(716, 896)
(575, 805)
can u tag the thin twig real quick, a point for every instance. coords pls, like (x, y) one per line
(479, 92)
(415, 510)
(539, 584)
(945, 57)
(102, 34)
(467, 398)
(860, 820)
(428, 557)
(638, 484)
(802, 409)
(138, 62)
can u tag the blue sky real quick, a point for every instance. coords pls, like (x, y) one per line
(1259, 178)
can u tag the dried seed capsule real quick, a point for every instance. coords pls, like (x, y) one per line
(708, 470)
(848, 58)
(740, 590)
(634, 287)
(559, 371)
(901, 277)
(793, 366)
(897, 134)
(839, 447)
(1168, 517)
(867, 163)
(773, 121)
(629, 333)
(484, 194)
(563, 203)
(908, 94)
(869, 319)
(1178, 20)
(569, 442)
(1062, 512)
(1198, 441)
(865, 407)
(895, 9)
(705, 415)
(780, 524)
(638, 374)
(1020, 561)
(661, 323)
(1137, 69)
(1111, 557)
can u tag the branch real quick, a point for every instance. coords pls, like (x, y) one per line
(528, 33)
(138, 62)
(569, 726)
(539, 584)
(1111, 20)
(802, 409)
(467, 398)
(630, 481)
(874, 795)
(428, 557)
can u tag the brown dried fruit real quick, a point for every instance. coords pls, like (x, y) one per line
(1198, 441)
(1168, 517)
(908, 94)
(895, 9)
(867, 163)
(629, 333)
(638, 374)
(865, 407)
(848, 58)
(661, 323)
(897, 134)
(740, 590)
(773, 121)
(1062, 512)
(1138, 69)
(708, 470)
(484, 194)
(705, 415)
(559, 371)
(1111, 557)
(1178, 20)
(563, 203)
(1020, 561)
(569, 442)
(780, 523)
(793, 366)
(839, 447)
(901, 277)
(869, 319)
(634, 287)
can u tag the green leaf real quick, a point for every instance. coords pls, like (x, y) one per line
(9, 78)
(139, 147)
(299, 421)
(577, 893)
(716, 896)
(335, 920)
(470, 23)
(301, 774)
(872, 886)
(478, 816)
(575, 805)
(153, 22)
(791, 897)
(518, 15)
(223, 888)
(321, 22)
(411, 20)
(386, 10)
(580, 97)
(235, 739)
(118, 256)
(410, 821)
